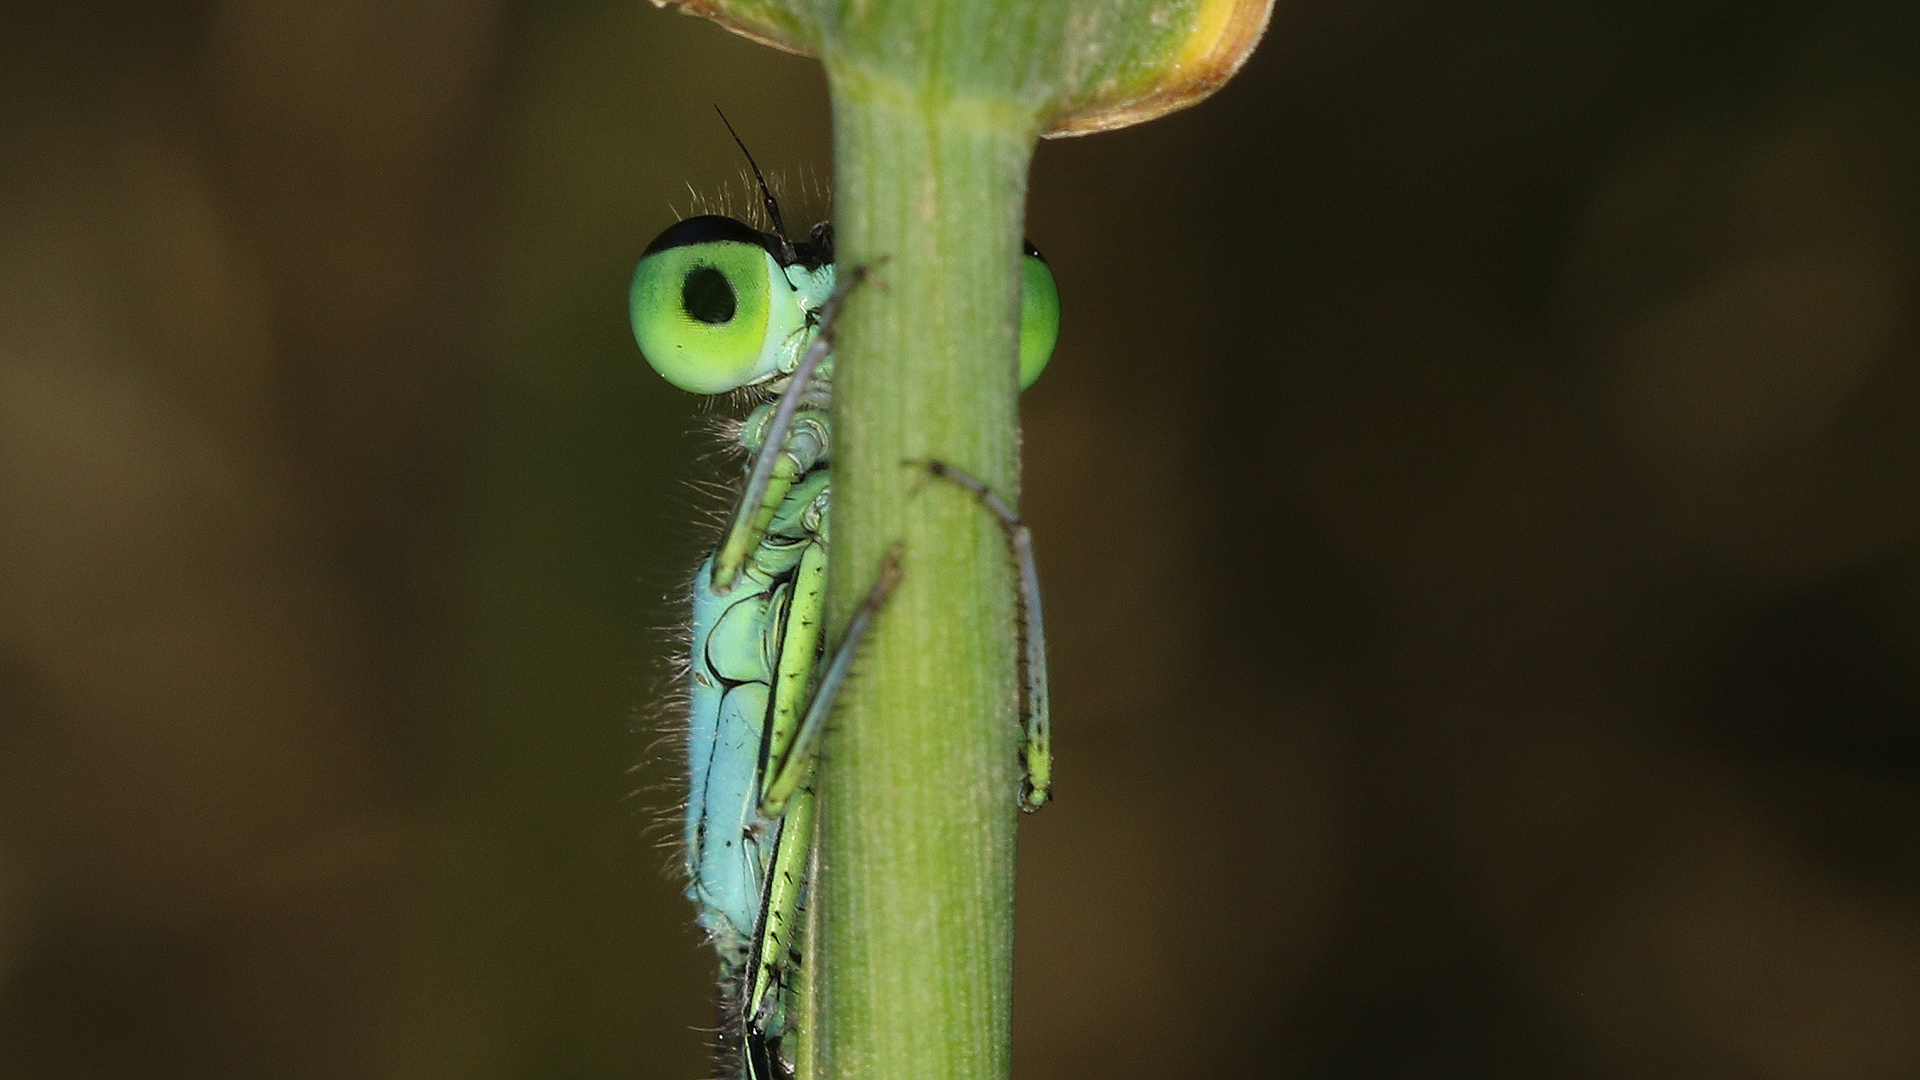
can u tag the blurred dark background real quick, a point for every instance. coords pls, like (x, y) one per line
(1478, 493)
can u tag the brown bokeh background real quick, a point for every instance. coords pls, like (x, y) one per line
(1478, 493)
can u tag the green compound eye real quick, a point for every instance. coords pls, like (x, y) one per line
(711, 309)
(1039, 318)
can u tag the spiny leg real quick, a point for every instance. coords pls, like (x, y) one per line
(799, 756)
(764, 1006)
(1037, 753)
(799, 652)
(768, 1008)
(775, 939)
(759, 499)
(769, 988)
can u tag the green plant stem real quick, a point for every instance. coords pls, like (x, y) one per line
(915, 893)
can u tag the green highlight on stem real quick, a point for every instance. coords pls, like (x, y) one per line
(937, 105)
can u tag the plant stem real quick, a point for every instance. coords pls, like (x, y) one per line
(937, 104)
(914, 951)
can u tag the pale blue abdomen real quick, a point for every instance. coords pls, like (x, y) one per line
(735, 640)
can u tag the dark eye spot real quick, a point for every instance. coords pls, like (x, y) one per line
(707, 295)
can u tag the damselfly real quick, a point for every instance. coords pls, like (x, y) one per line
(717, 306)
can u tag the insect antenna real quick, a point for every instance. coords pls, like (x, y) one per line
(787, 253)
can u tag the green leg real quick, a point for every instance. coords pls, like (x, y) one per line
(769, 1001)
(772, 991)
(799, 757)
(1037, 787)
(758, 499)
(755, 512)
(799, 651)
